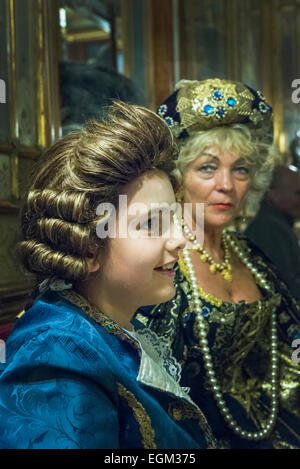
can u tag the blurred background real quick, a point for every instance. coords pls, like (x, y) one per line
(62, 61)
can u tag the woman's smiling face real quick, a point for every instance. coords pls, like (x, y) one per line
(220, 180)
(131, 267)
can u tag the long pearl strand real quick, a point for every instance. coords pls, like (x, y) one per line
(260, 434)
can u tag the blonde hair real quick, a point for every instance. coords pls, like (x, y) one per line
(77, 173)
(237, 139)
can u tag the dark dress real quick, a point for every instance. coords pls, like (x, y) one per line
(239, 342)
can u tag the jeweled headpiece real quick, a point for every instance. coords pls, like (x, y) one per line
(202, 105)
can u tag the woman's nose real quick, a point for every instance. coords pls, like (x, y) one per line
(224, 181)
(177, 240)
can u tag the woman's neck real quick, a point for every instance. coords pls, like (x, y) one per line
(110, 304)
(212, 240)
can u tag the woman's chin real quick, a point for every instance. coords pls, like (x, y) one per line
(163, 295)
(219, 220)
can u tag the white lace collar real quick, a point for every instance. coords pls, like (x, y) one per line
(158, 368)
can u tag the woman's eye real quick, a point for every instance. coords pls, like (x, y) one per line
(243, 170)
(207, 168)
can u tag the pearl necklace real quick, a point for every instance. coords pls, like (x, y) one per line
(259, 434)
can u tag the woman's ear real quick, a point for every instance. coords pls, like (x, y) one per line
(93, 261)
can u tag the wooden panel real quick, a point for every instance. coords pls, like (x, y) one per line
(47, 71)
(249, 34)
(150, 85)
(182, 40)
(162, 34)
(25, 78)
(268, 49)
(233, 65)
(202, 39)
(277, 98)
(289, 59)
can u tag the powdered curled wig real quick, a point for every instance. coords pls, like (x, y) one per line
(238, 139)
(75, 175)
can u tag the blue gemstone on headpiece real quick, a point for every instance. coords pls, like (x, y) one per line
(218, 94)
(221, 112)
(162, 110)
(231, 102)
(208, 109)
(262, 107)
(295, 335)
(169, 121)
(205, 312)
(270, 107)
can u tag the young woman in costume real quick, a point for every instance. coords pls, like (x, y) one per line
(76, 375)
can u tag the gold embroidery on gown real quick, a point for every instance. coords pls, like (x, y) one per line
(141, 416)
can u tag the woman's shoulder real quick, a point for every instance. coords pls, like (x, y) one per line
(262, 261)
(50, 312)
(257, 257)
(252, 250)
(56, 333)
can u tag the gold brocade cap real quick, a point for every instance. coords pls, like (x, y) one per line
(202, 105)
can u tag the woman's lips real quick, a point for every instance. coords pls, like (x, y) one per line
(168, 269)
(168, 273)
(222, 206)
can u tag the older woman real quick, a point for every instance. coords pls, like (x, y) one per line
(233, 321)
(77, 376)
